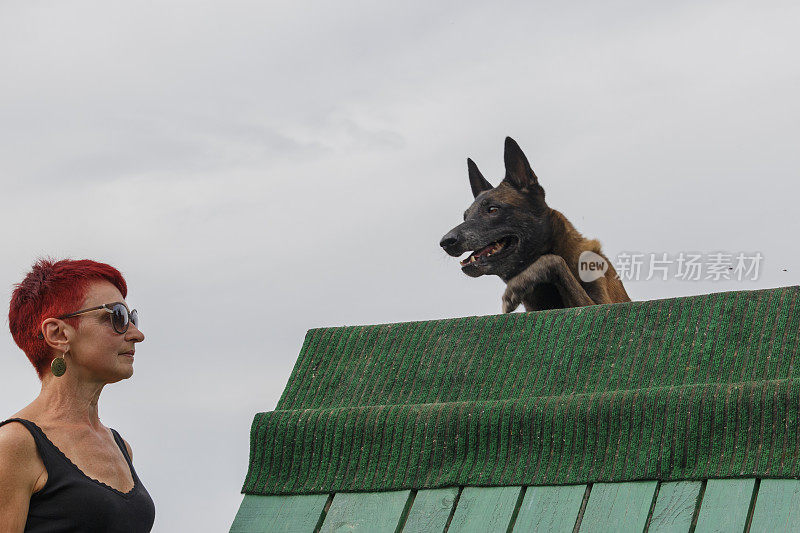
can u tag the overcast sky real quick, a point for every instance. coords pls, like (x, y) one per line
(256, 169)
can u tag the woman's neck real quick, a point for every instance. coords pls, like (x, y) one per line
(68, 400)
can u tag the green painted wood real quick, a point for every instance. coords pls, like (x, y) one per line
(777, 506)
(725, 505)
(482, 509)
(430, 510)
(618, 507)
(368, 512)
(675, 506)
(550, 508)
(262, 514)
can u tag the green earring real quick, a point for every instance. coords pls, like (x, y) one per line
(59, 366)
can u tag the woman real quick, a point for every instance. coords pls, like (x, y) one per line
(61, 469)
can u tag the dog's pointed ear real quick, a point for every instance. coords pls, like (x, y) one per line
(476, 179)
(518, 171)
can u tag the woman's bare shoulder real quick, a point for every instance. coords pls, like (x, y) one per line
(21, 474)
(16, 441)
(14, 436)
(128, 447)
(18, 453)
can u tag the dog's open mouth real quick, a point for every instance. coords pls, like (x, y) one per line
(488, 251)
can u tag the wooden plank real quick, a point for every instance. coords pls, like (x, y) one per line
(725, 505)
(777, 506)
(550, 509)
(675, 506)
(430, 510)
(366, 511)
(261, 514)
(482, 509)
(618, 507)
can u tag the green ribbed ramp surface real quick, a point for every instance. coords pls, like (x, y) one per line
(676, 389)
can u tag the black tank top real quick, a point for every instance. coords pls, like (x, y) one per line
(71, 501)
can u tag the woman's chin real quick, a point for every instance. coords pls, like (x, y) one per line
(129, 372)
(123, 371)
(127, 361)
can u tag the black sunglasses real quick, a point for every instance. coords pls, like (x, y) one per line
(121, 318)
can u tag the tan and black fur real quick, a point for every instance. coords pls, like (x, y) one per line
(515, 235)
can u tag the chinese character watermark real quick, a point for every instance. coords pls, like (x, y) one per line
(684, 266)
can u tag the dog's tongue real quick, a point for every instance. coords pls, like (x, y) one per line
(483, 251)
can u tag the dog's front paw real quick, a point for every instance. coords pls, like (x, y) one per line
(512, 298)
(523, 283)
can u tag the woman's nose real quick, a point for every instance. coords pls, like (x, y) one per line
(134, 333)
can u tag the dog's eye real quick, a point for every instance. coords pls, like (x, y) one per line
(492, 209)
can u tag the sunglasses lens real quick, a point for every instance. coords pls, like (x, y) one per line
(134, 318)
(119, 318)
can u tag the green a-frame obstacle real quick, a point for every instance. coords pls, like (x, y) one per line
(666, 415)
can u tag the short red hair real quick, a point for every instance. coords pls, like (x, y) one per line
(51, 289)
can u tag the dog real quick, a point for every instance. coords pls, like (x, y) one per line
(512, 233)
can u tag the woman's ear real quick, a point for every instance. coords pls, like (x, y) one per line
(55, 333)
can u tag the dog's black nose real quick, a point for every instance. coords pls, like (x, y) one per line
(453, 242)
(448, 240)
